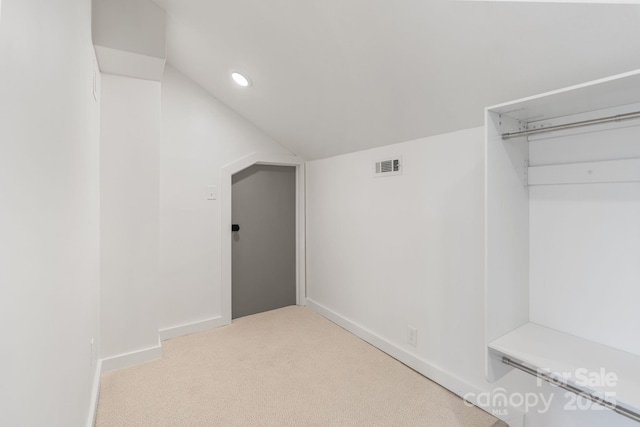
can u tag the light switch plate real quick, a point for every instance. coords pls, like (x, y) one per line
(212, 192)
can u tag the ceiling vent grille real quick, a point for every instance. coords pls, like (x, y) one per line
(388, 167)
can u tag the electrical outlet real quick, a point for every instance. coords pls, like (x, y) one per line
(413, 336)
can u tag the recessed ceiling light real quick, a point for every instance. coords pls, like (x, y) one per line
(240, 79)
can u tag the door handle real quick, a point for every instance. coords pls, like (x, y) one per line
(235, 227)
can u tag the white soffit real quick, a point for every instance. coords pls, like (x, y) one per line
(119, 62)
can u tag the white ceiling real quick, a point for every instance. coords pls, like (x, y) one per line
(335, 76)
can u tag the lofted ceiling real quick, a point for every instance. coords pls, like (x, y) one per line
(336, 76)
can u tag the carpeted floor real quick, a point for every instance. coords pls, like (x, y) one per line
(287, 367)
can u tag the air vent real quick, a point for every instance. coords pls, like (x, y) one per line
(388, 167)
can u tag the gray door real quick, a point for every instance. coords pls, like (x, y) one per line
(264, 248)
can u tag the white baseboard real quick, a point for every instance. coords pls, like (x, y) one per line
(95, 393)
(133, 358)
(450, 381)
(191, 328)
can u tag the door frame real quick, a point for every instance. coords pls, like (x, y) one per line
(227, 173)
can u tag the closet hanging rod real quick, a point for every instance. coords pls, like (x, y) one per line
(618, 118)
(573, 389)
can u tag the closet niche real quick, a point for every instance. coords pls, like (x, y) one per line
(563, 239)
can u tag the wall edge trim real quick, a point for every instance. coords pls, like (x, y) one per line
(190, 328)
(95, 395)
(132, 358)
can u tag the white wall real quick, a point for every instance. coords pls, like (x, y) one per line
(585, 242)
(49, 214)
(130, 137)
(199, 136)
(405, 250)
(387, 253)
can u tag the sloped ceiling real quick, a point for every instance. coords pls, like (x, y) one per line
(335, 76)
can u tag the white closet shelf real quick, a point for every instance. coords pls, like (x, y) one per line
(576, 361)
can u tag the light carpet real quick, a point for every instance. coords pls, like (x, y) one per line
(287, 367)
